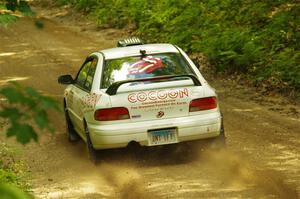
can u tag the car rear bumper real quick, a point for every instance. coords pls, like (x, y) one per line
(188, 128)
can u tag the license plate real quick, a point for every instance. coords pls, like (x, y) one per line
(162, 136)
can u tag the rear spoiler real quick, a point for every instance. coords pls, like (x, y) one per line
(113, 88)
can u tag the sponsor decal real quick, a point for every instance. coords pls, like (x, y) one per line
(90, 100)
(88, 103)
(69, 97)
(160, 114)
(159, 95)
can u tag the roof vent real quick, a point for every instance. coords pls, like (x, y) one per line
(133, 41)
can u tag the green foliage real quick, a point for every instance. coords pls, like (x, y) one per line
(16, 108)
(11, 192)
(24, 8)
(6, 19)
(12, 5)
(12, 176)
(9, 168)
(258, 37)
(26, 111)
(11, 10)
(21, 6)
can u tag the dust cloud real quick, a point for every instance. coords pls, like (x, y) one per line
(234, 170)
(126, 181)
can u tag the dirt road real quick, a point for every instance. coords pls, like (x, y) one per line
(262, 159)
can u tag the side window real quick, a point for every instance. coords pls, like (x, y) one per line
(91, 73)
(82, 75)
(86, 74)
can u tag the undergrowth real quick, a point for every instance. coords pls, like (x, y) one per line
(260, 38)
(11, 10)
(12, 171)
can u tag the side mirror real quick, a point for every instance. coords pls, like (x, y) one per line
(65, 79)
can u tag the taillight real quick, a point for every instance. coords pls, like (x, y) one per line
(203, 104)
(109, 114)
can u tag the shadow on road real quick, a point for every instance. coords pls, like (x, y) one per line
(143, 156)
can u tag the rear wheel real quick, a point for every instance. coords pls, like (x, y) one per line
(72, 134)
(214, 143)
(220, 141)
(92, 152)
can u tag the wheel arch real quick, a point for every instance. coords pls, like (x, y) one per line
(65, 103)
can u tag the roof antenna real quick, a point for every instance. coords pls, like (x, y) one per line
(143, 53)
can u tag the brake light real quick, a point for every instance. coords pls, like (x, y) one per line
(203, 104)
(109, 114)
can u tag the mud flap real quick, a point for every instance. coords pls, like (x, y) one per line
(72, 134)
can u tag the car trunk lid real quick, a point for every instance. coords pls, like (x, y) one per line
(157, 104)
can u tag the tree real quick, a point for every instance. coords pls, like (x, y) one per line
(25, 111)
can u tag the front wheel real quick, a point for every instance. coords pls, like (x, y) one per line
(92, 152)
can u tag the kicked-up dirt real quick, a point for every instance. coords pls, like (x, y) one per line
(262, 158)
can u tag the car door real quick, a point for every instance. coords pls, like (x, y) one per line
(81, 90)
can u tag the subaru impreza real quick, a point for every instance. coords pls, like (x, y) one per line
(151, 94)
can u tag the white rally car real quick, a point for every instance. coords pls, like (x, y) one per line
(152, 94)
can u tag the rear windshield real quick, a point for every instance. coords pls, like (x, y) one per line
(143, 67)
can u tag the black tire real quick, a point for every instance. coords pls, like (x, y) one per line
(215, 143)
(72, 134)
(219, 142)
(92, 152)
